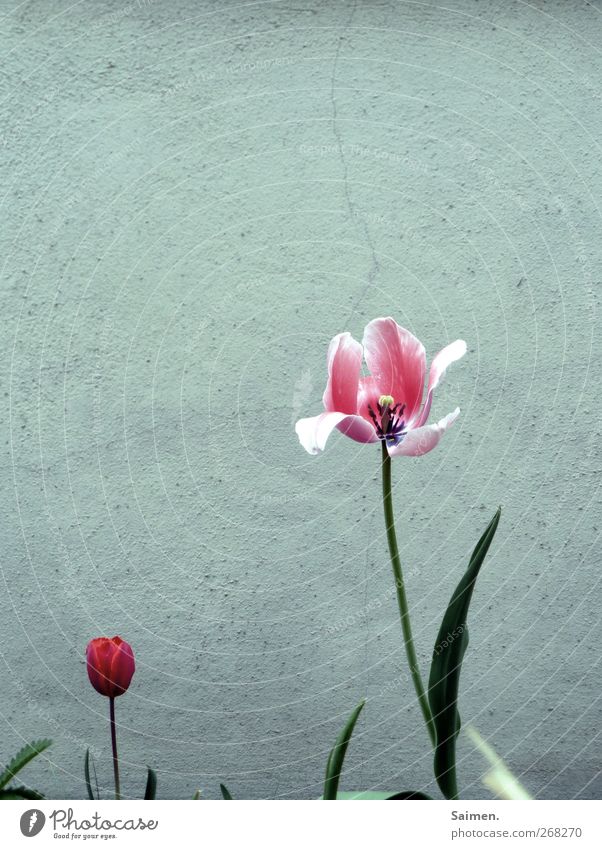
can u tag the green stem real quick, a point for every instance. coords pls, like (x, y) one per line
(114, 746)
(401, 594)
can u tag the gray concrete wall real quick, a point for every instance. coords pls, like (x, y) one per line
(196, 197)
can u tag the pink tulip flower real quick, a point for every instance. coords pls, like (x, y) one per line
(387, 404)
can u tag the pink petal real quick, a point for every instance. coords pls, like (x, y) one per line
(367, 395)
(441, 361)
(397, 362)
(314, 432)
(344, 364)
(421, 440)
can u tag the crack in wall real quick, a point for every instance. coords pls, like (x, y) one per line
(360, 219)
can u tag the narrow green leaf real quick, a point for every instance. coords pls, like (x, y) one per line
(151, 784)
(95, 779)
(20, 793)
(444, 679)
(21, 759)
(499, 779)
(225, 791)
(197, 795)
(334, 764)
(87, 774)
(361, 796)
(409, 794)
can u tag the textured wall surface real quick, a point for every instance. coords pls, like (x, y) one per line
(196, 197)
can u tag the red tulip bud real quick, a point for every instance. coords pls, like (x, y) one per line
(110, 665)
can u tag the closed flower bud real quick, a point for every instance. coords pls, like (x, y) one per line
(110, 662)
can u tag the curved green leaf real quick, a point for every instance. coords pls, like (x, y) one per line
(225, 791)
(409, 794)
(444, 679)
(361, 796)
(334, 764)
(499, 779)
(20, 793)
(22, 758)
(87, 774)
(151, 784)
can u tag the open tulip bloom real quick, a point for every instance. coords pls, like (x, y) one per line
(389, 405)
(385, 405)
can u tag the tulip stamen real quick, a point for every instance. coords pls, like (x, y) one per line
(388, 419)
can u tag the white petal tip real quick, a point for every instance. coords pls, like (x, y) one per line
(305, 430)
